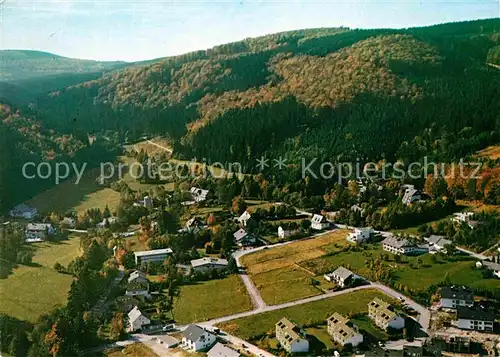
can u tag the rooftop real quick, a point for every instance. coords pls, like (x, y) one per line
(219, 350)
(292, 332)
(146, 253)
(207, 260)
(397, 242)
(343, 273)
(193, 332)
(456, 292)
(475, 313)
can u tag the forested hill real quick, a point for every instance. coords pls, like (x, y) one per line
(318, 92)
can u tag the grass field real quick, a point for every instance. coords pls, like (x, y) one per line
(429, 273)
(33, 290)
(211, 299)
(277, 274)
(311, 314)
(492, 152)
(68, 196)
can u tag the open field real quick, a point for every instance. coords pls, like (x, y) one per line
(478, 206)
(277, 274)
(33, 290)
(210, 299)
(69, 196)
(311, 314)
(492, 152)
(135, 350)
(134, 184)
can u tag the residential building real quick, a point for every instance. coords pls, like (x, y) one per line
(319, 222)
(137, 320)
(23, 211)
(205, 264)
(384, 317)
(196, 339)
(243, 219)
(193, 225)
(342, 276)
(156, 255)
(360, 235)
(126, 303)
(198, 194)
(137, 276)
(475, 318)
(106, 222)
(397, 245)
(291, 338)
(413, 195)
(219, 350)
(455, 296)
(138, 288)
(243, 238)
(494, 267)
(342, 331)
(167, 341)
(285, 233)
(38, 232)
(465, 217)
(69, 222)
(437, 244)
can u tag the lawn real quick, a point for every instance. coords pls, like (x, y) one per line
(207, 300)
(310, 314)
(33, 290)
(80, 197)
(276, 273)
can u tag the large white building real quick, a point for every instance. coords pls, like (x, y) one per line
(207, 263)
(397, 245)
(290, 337)
(454, 296)
(156, 255)
(475, 319)
(196, 339)
(342, 331)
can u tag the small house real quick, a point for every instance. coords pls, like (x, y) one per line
(23, 211)
(198, 194)
(38, 232)
(360, 235)
(137, 276)
(494, 267)
(319, 222)
(207, 263)
(342, 276)
(437, 244)
(137, 320)
(243, 238)
(243, 219)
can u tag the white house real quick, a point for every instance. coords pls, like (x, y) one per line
(494, 267)
(243, 219)
(437, 243)
(455, 296)
(198, 194)
(219, 350)
(244, 239)
(38, 232)
(383, 315)
(204, 264)
(360, 235)
(193, 225)
(397, 245)
(23, 211)
(106, 221)
(196, 339)
(156, 255)
(342, 276)
(413, 195)
(342, 331)
(69, 222)
(290, 337)
(285, 233)
(475, 319)
(137, 320)
(318, 222)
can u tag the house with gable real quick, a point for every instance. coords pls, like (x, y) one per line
(243, 219)
(343, 331)
(319, 222)
(243, 238)
(342, 277)
(137, 320)
(196, 338)
(291, 337)
(383, 315)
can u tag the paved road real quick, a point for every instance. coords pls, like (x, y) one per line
(472, 254)
(160, 146)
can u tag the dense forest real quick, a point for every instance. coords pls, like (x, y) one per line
(308, 93)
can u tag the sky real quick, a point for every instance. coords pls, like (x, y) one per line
(133, 30)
